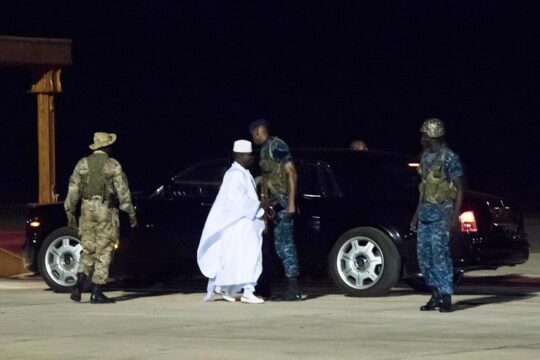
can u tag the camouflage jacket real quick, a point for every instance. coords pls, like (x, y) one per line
(116, 184)
(275, 154)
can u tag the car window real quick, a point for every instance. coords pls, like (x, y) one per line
(375, 177)
(210, 172)
(330, 185)
(203, 179)
(402, 175)
(308, 178)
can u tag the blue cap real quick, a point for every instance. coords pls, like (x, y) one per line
(257, 123)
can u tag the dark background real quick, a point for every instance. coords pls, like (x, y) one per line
(181, 80)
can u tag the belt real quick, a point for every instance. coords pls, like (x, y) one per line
(111, 203)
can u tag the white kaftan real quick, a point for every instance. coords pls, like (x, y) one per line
(229, 252)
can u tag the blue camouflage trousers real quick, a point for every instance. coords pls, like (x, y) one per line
(433, 252)
(284, 242)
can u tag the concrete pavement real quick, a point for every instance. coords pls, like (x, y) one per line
(497, 317)
(490, 322)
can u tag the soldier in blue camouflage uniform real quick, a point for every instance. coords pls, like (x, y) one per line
(100, 185)
(441, 195)
(278, 189)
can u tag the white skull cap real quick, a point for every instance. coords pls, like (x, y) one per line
(242, 146)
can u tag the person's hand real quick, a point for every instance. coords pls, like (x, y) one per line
(133, 221)
(269, 214)
(291, 209)
(265, 204)
(72, 221)
(414, 224)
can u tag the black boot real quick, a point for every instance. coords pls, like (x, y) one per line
(433, 302)
(445, 304)
(97, 296)
(293, 291)
(78, 288)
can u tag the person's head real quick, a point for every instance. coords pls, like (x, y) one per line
(358, 145)
(103, 141)
(432, 133)
(259, 131)
(242, 153)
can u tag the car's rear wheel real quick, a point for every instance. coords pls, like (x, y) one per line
(59, 258)
(364, 262)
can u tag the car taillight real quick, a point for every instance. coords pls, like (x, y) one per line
(468, 222)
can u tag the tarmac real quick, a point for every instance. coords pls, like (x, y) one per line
(496, 316)
(489, 322)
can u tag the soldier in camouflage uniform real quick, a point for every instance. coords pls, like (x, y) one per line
(99, 183)
(441, 195)
(278, 189)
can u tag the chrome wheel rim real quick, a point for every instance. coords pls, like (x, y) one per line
(360, 262)
(62, 260)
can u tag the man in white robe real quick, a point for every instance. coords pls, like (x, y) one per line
(229, 252)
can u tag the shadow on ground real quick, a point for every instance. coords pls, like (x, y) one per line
(489, 300)
(486, 290)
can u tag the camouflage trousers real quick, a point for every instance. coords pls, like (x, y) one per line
(434, 258)
(284, 242)
(99, 232)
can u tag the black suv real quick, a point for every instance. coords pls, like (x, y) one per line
(353, 222)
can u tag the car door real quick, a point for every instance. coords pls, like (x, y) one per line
(173, 219)
(310, 220)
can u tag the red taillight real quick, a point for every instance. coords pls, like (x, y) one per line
(468, 222)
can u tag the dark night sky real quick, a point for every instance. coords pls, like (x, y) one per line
(181, 80)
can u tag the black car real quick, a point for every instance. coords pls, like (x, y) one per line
(353, 222)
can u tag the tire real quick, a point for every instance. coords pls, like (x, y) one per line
(419, 284)
(364, 262)
(58, 259)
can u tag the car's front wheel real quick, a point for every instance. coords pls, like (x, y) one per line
(364, 262)
(59, 258)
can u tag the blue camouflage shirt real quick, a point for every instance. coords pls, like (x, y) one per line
(452, 166)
